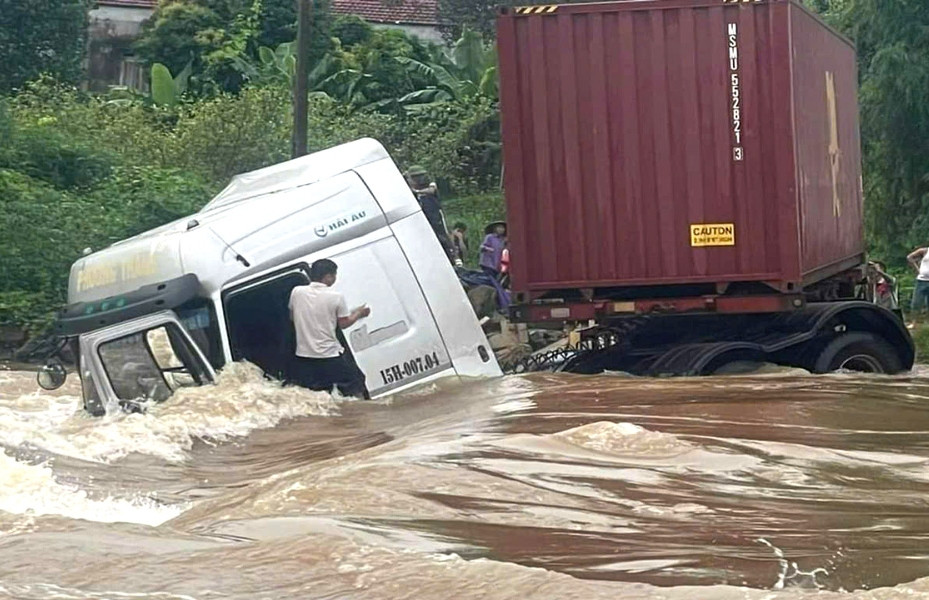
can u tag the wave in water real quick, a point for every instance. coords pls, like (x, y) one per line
(32, 490)
(241, 401)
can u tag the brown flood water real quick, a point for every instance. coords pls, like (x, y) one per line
(542, 486)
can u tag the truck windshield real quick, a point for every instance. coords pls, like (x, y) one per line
(150, 365)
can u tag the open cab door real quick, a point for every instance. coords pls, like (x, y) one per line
(397, 346)
(139, 361)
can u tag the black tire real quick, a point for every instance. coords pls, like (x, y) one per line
(858, 351)
(737, 367)
(584, 363)
(738, 362)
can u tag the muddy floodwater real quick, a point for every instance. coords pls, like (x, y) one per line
(541, 486)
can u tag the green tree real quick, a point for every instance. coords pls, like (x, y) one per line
(351, 30)
(273, 68)
(174, 36)
(370, 72)
(41, 36)
(46, 228)
(478, 15)
(468, 70)
(212, 36)
(279, 22)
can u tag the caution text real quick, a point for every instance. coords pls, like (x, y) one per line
(712, 234)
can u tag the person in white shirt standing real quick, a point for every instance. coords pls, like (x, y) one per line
(919, 260)
(317, 310)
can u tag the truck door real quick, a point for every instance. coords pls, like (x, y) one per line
(399, 343)
(142, 360)
(258, 320)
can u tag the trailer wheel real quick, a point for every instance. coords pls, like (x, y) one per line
(738, 367)
(858, 351)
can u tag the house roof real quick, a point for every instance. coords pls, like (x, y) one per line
(402, 12)
(129, 3)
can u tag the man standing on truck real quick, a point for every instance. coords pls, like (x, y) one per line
(316, 310)
(919, 260)
(427, 194)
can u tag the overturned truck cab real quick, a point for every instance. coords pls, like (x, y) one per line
(168, 308)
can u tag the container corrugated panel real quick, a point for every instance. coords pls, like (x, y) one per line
(825, 85)
(678, 141)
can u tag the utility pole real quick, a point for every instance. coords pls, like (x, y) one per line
(304, 20)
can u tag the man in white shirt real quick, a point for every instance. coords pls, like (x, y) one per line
(317, 310)
(919, 260)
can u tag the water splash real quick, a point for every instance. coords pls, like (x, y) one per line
(32, 490)
(790, 575)
(624, 439)
(241, 401)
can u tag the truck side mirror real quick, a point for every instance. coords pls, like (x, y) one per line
(52, 375)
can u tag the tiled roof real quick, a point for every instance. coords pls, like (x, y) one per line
(129, 3)
(405, 12)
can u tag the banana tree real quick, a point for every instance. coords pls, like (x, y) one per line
(167, 89)
(467, 70)
(276, 66)
(164, 89)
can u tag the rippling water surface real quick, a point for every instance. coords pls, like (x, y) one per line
(543, 486)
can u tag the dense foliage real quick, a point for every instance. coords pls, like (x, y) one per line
(41, 36)
(478, 15)
(61, 193)
(210, 35)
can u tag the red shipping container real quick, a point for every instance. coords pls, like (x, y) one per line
(658, 142)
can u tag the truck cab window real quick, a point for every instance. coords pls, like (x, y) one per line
(150, 365)
(199, 319)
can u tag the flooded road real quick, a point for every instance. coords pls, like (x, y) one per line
(541, 486)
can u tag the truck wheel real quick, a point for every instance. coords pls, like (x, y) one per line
(735, 362)
(857, 351)
(738, 367)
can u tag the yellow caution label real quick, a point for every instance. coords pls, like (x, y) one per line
(541, 9)
(712, 234)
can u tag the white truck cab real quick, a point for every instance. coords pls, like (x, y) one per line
(169, 307)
